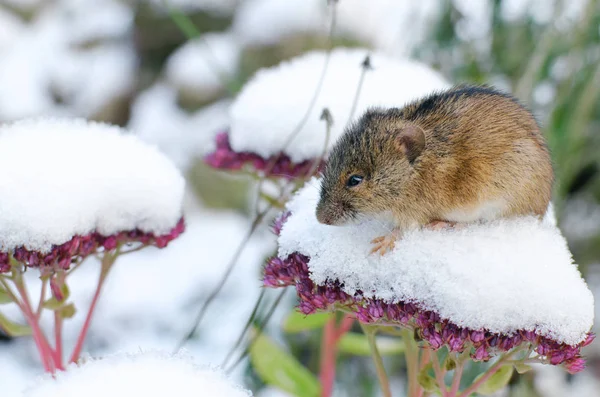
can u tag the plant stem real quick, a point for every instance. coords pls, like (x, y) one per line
(439, 374)
(58, 322)
(46, 353)
(412, 361)
(107, 261)
(345, 325)
(381, 375)
(328, 353)
(491, 371)
(40, 307)
(458, 371)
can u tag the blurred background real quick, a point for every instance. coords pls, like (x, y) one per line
(168, 71)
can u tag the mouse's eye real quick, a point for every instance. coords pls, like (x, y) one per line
(354, 180)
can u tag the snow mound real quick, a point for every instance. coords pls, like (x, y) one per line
(202, 64)
(142, 374)
(503, 276)
(61, 178)
(274, 102)
(156, 119)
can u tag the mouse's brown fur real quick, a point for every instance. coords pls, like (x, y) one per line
(466, 154)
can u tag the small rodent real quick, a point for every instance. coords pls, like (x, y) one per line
(466, 154)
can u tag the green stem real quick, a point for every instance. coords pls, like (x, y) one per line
(412, 361)
(381, 375)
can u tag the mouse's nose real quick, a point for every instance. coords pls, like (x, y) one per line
(323, 216)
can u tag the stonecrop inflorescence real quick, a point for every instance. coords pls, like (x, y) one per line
(443, 284)
(279, 166)
(71, 189)
(276, 126)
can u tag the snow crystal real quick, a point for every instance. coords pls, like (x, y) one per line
(503, 276)
(60, 178)
(273, 103)
(144, 374)
(201, 64)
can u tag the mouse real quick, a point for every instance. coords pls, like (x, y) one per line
(468, 154)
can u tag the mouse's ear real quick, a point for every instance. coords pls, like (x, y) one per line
(411, 141)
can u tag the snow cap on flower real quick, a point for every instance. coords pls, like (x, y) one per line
(274, 103)
(493, 285)
(73, 185)
(139, 374)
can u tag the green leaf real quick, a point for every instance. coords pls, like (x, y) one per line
(496, 382)
(67, 311)
(12, 328)
(298, 322)
(522, 367)
(358, 345)
(449, 363)
(53, 303)
(279, 369)
(427, 381)
(4, 296)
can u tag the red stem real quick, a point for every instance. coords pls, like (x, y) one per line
(58, 322)
(107, 261)
(88, 320)
(456, 380)
(331, 336)
(328, 353)
(46, 352)
(476, 385)
(345, 325)
(439, 374)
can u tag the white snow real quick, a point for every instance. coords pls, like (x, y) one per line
(142, 373)
(44, 56)
(203, 63)
(86, 21)
(156, 119)
(504, 276)
(60, 178)
(90, 80)
(271, 106)
(390, 25)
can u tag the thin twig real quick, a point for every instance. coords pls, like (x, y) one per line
(260, 215)
(365, 66)
(259, 331)
(240, 338)
(257, 221)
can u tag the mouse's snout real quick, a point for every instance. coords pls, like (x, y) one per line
(330, 213)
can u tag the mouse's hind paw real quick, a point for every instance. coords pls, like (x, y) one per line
(440, 225)
(385, 244)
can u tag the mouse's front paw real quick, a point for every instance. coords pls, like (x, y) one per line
(384, 244)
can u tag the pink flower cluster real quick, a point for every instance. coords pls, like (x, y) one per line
(224, 157)
(61, 256)
(294, 271)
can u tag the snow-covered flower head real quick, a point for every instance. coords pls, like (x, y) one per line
(501, 286)
(142, 374)
(276, 124)
(69, 188)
